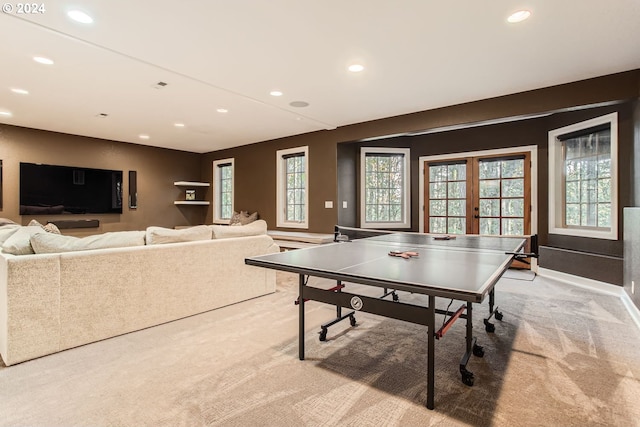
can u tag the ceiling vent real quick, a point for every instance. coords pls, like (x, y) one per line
(159, 85)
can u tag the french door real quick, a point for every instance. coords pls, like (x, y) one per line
(489, 195)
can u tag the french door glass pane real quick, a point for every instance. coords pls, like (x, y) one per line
(456, 225)
(513, 188)
(438, 190)
(489, 188)
(490, 207)
(457, 208)
(511, 227)
(490, 226)
(438, 224)
(437, 173)
(457, 172)
(512, 168)
(437, 207)
(513, 207)
(489, 170)
(457, 190)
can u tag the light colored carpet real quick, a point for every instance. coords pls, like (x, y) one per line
(562, 356)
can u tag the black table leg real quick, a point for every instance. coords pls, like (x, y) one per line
(431, 363)
(301, 317)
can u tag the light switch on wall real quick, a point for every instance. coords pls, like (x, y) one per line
(328, 204)
(344, 204)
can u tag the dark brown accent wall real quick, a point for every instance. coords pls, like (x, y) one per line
(156, 168)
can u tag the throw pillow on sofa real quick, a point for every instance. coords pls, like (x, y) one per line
(49, 243)
(49, 227)
(255, 228)
(6, 221)
(243, 218)
(160, 235)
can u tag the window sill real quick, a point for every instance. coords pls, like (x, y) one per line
(605, 235)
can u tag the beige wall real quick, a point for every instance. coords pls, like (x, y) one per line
(157, 169)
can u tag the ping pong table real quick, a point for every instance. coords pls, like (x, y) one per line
(464, 268)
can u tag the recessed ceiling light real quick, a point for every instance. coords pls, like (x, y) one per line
(43, 60)
(143, 136)
(355, 68)
(5, 113)
(179, 125)
(222, 110)
(518, 16)
(275, 93)
(80, 16)
(20, 91)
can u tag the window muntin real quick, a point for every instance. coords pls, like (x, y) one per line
(385, 188)
(583, 179)
(293, 187)
(223, 189)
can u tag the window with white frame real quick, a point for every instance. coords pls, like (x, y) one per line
(293, 187)
(583, 179)
(223, 190)
(385, 188)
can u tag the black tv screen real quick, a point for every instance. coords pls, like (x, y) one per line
(53, 190)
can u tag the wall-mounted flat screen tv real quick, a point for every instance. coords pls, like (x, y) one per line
(52, 190)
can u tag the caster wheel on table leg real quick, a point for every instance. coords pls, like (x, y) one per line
(323, 334)
(467, 377)
(488, 326)
(478, 350)
(395, 297)
(498, 315)
(352, 320)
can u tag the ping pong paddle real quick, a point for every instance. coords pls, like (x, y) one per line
(403, 254)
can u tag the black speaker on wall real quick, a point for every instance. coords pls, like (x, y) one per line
(133, 189)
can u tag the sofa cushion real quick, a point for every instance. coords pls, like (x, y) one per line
(159, 235)
(7, 231)
(255, 228)
(19, 243)
(48, 243)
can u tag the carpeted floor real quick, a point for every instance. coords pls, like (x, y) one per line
(562, 356)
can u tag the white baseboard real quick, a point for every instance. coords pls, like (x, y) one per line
(596, 285)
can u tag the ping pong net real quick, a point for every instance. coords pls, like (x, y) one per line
(343, 233)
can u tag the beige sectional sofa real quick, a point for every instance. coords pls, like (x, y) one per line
(54, 301)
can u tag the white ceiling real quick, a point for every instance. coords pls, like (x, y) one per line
(418, 54)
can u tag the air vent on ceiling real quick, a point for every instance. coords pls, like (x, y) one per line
(159, 85)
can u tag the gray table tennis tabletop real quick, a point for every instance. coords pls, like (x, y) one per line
(465, 268)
